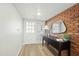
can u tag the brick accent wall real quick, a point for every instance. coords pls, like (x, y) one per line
(71, 20)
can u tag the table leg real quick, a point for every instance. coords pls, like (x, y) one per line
(59, 53)
(42, 42)
(69, 52)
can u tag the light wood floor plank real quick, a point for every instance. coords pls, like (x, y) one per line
(35, 50)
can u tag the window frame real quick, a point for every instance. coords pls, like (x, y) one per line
(30, 27)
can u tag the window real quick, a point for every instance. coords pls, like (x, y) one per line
(30, 27)
(56, 28)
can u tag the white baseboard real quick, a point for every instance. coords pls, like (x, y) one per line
(19, 50)
(32, 43)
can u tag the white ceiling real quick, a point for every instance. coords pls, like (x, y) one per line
(40, 11)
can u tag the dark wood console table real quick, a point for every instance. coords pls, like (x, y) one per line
(57, 44)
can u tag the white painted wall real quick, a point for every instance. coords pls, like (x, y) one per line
(11, 35)
(33, 38)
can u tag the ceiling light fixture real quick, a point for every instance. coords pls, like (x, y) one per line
(38, 13)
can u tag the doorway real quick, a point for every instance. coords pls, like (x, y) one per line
(33, 32)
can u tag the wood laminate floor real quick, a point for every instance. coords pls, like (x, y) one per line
(35, 50)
